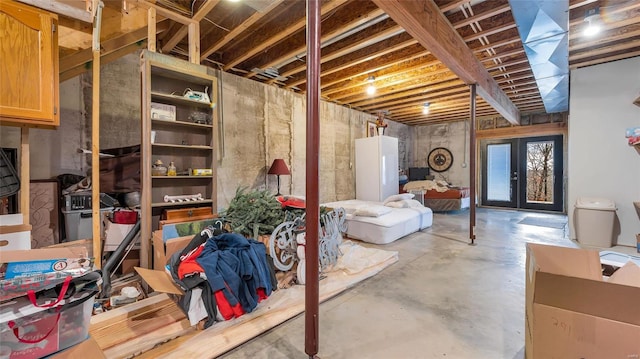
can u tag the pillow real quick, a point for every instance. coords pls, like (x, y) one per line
(398, 197)
(372, 211)
(398, 204)
(412, 203)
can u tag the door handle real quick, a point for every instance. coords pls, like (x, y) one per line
(514, 176)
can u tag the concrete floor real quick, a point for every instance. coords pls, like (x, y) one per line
(443, 299)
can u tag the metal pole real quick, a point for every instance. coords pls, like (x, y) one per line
(311, 296)
(472, 166)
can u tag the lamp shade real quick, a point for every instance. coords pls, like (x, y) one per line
(278, 167)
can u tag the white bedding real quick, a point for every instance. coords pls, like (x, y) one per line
(385, 228)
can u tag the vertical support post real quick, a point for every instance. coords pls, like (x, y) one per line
(194, 42)
(312, 294)
(95, 137)
(25, 162)
(472, 165)
(151, 29)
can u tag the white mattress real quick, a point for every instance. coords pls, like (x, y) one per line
(386, 228)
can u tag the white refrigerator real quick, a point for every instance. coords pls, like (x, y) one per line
(376, 168)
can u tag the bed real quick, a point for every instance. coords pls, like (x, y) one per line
(385, 228)
(439, 195)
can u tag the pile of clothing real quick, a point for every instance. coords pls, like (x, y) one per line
(224, 275)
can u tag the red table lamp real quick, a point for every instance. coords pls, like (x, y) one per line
(278, 168)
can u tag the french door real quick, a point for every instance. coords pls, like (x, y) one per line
(523, 173)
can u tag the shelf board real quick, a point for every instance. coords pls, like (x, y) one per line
(173, 177)
(181, 123)
(190, 147)
(174, 204)
(165, 97)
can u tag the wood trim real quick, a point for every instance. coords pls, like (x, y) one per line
(62, 8)
(15, 228)
(545, 129)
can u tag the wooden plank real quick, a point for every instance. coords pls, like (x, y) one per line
(134, 326)
(279, 307)
(454, 4)
(132, 310)
(151, 30)
(546, 129)
(24, 174)
(62, 8)
(194, 43)
(425, 22)
(95, 160)
(15, 228)
(149, 340)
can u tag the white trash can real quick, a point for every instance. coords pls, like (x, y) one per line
(594, 219)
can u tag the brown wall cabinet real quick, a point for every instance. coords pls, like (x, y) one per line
(29, 71)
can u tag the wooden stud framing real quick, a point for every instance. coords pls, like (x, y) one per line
(151, 29)
(24, 174)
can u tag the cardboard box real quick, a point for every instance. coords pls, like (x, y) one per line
(572, 312)
(162, 250)
(114, 233)
(34, 269)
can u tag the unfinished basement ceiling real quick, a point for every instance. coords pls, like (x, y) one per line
(264, 40)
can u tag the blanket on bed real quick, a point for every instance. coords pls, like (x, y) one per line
(437, 185)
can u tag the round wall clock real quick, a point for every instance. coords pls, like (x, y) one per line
(440, 159)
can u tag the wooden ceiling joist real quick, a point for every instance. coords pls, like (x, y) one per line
(210, 48)
(184, 29)
(246, 53)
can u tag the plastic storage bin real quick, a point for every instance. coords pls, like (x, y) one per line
(78, 224)
(594, 219)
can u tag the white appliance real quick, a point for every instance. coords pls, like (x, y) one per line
(376, 168)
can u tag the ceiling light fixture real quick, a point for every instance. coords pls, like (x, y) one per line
(371, 89)
(425, 108)
(592, 18)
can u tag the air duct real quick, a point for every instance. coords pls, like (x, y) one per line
(543, 27)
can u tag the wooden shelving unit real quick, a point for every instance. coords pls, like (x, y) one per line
(189, 145)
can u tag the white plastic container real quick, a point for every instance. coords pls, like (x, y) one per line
(594, 220)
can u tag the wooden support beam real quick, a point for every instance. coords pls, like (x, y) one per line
(545, 129)
(95, 137)
(24, 174)
(194, 43)
(426, 23)
(62, 8)
(151, 30)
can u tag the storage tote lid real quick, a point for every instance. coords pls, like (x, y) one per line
(595, 203)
